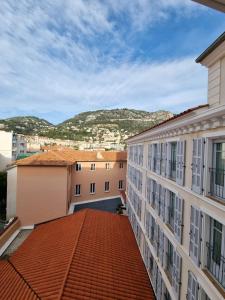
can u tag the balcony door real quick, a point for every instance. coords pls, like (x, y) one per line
(216, 250)
(218, 171)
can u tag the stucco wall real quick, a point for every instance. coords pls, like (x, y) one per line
(11, 192)
(100, 175)
(41, 194)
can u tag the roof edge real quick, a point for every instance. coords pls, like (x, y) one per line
(211, 48)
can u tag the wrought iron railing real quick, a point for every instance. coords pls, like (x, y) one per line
(216, 263)
(217, 186)
(171, 217)
(172, 169)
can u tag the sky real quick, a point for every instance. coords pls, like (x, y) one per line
(62, 57)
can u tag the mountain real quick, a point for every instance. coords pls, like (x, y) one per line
(27, 125)
(112, 126)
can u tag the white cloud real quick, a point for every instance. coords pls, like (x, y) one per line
(53, 57)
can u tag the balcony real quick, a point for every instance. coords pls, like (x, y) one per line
(216, 263)
(217, 186)
(172, 165)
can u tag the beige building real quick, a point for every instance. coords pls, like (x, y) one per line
(47, 186)
(11, 146)
(176, 194)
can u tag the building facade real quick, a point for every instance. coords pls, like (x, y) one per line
(176, 194)
(47, 186)
(11, 146)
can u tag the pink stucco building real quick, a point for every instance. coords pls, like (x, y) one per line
(45, 186)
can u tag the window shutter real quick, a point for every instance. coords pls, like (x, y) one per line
(198, 165)
(178, 218)
(165, 257)
(176, 279)
(152, 157)
(149, 156)
(154, 276)
(161, 246)
(167, 204)
(159, 286)
(168, 160)
(162, 203)
(148, 190)
(156, 238)
(158, 158)
(180, 168)
(195, 235)
(192, 291)
(163, 161)
(152, 191)
(157, 197)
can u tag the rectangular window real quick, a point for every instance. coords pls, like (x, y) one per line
(171, 209)
(107, 186)
(77, 189)
(216, 251)
(121, 165)
(169, 265)
(92, 188)
(218, 171)
(78, 167)
(120, 184)
(92, 167)
(173, 160)
(107, 166)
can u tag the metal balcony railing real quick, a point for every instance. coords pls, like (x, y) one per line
(172, 169)
(171, 217)
(217, 186)
(216, 263)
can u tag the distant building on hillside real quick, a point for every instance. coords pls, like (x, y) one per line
(48, 185)
(12, 145)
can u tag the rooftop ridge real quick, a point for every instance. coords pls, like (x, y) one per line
(24, 280)
(72, 254)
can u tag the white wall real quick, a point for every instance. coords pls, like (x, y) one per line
(11, 192)
(5, 149)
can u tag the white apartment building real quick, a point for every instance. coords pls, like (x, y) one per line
(176, 194)
(11, 145)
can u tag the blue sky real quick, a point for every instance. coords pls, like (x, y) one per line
(62, 57)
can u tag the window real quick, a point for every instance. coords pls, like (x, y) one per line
(173, 161)
(120, 184)
(92, 188)
(217, 179)
(171, 209)
(107, 186)
(216, 251)
(78, 167)
(107, 166)
(121, 165)
(169, 265)
(77, 189)
(92, 167)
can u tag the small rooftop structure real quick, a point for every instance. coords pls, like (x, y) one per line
(87, 255)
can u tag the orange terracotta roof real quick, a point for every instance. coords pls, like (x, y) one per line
(184, 113)
(88, 255)
(69, 156)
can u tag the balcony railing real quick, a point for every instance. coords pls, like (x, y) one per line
(217, 186)
(172, 169)
(171, 217)
(216, 263)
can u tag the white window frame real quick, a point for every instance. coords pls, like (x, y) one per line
(92, 188)
(93, 167)
(121, 184)
(75, 191)
(78, 167)
(107, 186)
(121, 165)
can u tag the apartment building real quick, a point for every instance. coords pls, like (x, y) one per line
(11, 146)
(176, 194)
(48, 185)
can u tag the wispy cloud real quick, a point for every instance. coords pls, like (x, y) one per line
(71, 56)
